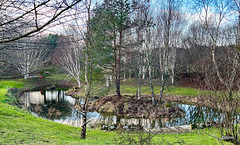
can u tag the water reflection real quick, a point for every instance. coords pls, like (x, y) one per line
(58, 107)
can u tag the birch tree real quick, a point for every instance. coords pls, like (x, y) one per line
(69, 56)
(212, 18)
(87, 48)
(27, 55)
(140, 8)
(148, 47)
(214, 14)
(169, 22)
(88, 68)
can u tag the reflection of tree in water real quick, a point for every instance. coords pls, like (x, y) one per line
(60, 108)
(53, 108)
(194, 114)
(199, 114)
(38, 109)
(105, 119)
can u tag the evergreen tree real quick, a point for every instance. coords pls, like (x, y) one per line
(110, 24)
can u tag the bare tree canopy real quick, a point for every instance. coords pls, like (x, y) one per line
(34, 15)
(69, 56)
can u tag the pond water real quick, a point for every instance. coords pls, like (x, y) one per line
(58, 107)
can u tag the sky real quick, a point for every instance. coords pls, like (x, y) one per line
(187, 10)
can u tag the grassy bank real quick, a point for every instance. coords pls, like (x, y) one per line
(100, 90)
(19, 127)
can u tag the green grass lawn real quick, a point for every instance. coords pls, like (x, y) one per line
(10, 84)
(20, 127)
(173, 90)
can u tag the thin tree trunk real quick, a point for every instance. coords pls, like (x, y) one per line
(150, 75)
(143, 73)
(162, 87)
(107, 81)
(151, 86)
(173, 74)
(110, 78)
(84, 109)
(79, 83)
(130, 74)
(124, 75)
(87, 81)
(139, 81)
(216, 65)
(119, 65)
(84, 124)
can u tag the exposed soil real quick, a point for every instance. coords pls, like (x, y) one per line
(129, 106)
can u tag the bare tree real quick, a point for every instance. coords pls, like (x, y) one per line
(141, 8)
(69, 56)
(27, 55)
(148, 47)
(213, 14)
(213, 22)
(37, 14)
(196, 50)
(88, 67)
(169, 22)
(87, 53)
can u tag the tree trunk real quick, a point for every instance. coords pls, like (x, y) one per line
(143, 73)
(26, 73)
(139, 82)
(118, 88)
(173, 74)
(110, 78)
(119, 65)
(25, 76)
(79, 83)
(88, 73)
(151, 86)
(130, 74)
(107, 81)
(150, 75)
(84, 123)
(124, 75)
(162, 87)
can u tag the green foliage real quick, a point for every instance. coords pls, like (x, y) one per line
(136, 137)
(110, 19)
(168, 104)
(52, 41)
(238, 48)
(97, 75)
(10, 84)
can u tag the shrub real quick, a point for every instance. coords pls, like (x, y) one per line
(168, 105)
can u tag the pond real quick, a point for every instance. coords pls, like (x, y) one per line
(58, 107)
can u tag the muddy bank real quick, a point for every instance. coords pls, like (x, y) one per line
(203, 101)
(129, 106)
(74, 92)
(220, 104)
(46, 83)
